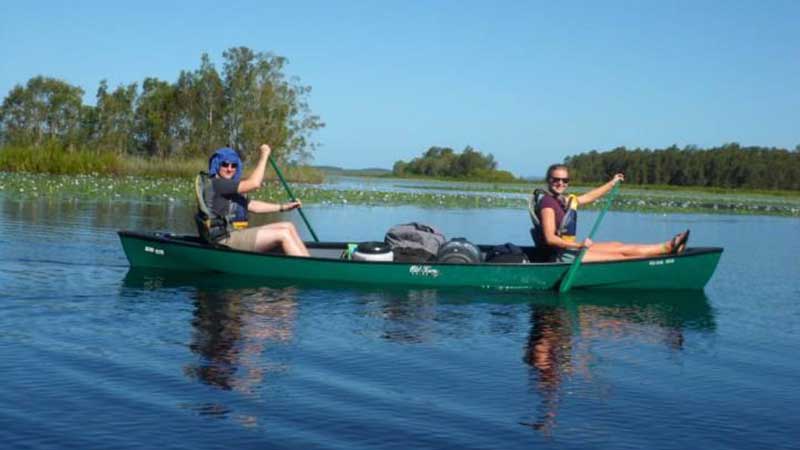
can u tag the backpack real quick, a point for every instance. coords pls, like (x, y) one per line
(459, 251)
(506, 253)
(211, 227)
(414, 242)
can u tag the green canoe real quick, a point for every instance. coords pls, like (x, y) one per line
(689, 270)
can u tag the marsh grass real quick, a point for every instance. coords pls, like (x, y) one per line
(54, 160)
(102, 188)
(659, 190)
(88, 176)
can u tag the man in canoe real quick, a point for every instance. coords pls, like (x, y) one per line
(554, 215)
(224, 207)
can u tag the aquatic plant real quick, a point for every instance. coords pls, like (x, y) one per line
(103, 188)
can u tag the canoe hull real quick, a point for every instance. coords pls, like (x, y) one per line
(690, 270)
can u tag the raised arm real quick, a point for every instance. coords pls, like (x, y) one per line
(255, 179)
(600, 191)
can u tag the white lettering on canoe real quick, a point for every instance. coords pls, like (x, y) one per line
(423, 271)
(661, 262)
(157, 251)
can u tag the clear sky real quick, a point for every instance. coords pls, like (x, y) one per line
(529, 82)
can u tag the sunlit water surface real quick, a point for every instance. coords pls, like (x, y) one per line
(96, 356)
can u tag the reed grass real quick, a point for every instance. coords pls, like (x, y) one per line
(57, 161)
(54, 160)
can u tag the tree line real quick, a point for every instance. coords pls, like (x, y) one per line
(445, 162)
(726, 166)
(250, 101)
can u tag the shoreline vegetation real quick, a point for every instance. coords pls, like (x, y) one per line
(74, 189)
(146, 142)
(250, 101)
(444, 162)
(53, 160)
(160, 128)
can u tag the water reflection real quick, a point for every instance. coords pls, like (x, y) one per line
(562, 335)
(404, 316)
(231, 331)
(238, 324)
(235, 321)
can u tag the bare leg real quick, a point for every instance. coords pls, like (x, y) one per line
(632, 250)
(600, 255)
(283, 234)
(609, 251)
(297, 241)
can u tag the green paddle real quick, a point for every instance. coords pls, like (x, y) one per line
(291, 196)
(566, 282)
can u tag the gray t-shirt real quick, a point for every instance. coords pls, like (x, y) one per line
(226, 193)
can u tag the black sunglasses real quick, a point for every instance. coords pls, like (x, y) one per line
(557, 179)
(232, 165)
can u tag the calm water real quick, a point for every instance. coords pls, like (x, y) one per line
(95, 356)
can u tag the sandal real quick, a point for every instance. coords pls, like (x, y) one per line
(678, 243)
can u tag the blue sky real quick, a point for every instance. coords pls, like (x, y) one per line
(530, 82)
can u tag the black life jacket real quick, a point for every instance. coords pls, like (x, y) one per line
(567, 229)
(211, 226)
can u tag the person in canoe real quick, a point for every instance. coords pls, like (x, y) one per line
(224, 207)
(554, 214)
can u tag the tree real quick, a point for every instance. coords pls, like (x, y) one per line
(730, 166)
(252, 102)
(261, 106)
(46, 110)
(444, 162)
(114, 118)
(202, 97)
(156, 118)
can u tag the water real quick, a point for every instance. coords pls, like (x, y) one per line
(96, 356)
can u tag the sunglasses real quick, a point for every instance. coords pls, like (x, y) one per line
(232, 165)
(557, 179)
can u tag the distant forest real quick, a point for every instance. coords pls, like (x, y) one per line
(727, 166)
(248, 102)
(445, 162)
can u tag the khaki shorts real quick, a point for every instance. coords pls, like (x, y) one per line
(241, 239)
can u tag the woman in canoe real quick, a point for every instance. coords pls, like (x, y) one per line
(229, 207)
(556, 213)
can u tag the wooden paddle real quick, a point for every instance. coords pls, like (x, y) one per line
(292, 197)
(566, 282)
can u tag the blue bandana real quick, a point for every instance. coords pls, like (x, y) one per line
(225, 154)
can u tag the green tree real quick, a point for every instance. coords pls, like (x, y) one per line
(114, 118)
(202, 98)
(46, 110)
(729, 166)
(262, 106)
(156, 118)
(252, 102)
(444, 162)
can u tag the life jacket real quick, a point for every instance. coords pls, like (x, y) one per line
(211, 226)
(568, 227)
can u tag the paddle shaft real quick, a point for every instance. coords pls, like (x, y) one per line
(292, 197)
(566, 283)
